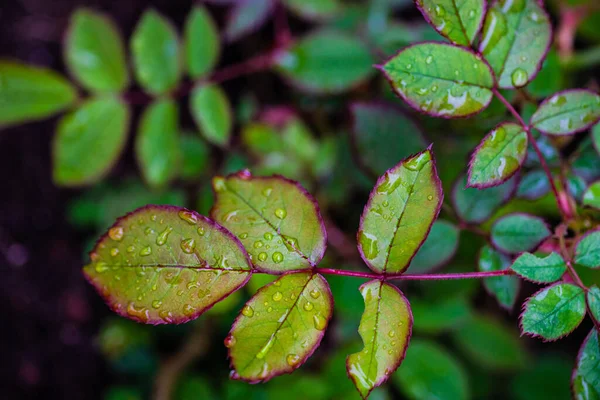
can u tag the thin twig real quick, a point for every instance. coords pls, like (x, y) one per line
(415, 277)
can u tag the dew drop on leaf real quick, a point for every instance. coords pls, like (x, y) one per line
(315, 294)
(308, 306)
(229, 341)
(280, 213)
(277, 257)
(243, 236)
(258, 244)
(146, 251)
(188, 309)
(188, 217)
(131, 249)
(519, 77)
(368, 244)
(101, 267)
(116, 233)
(164, 235)
(262, 256)
(265, 349)
(429, 59)
(277, 296)
(247, 311)
(319, 322)
(114, 252)
(268, 236)
(156, 304)
(440, 11)
(292, 360)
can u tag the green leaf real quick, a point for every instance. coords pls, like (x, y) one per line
(491, 344)
(533, 185)
(201, 41)
(499, 156)
(211, 110)
(440, 79)
(156, 53)
(277, 220)
(477, 205)
(165, 264)
(591, 197)
(401, 209)
(550, 78)
(596, 137)
(587, 251)
(314, 9)
(246, 17)
(586, 377)
(194, 387)
(326, 62)
(504, 288)
(518, 232)
(385, 329)
(593, 301)
(540, 270)
(439, 247)
(554, 311)
(567, 112)
(546, 378)
(516, 36)
(89, 141)
(459, 21)
(157, 143)
(430, 372)
(383, 135)
(95, 53)
(195, 154)
(279, 327)
(437, 316)
(29, 93)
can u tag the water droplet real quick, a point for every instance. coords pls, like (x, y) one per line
(230, 216)
(292, 360)
(368, 244)
(192, 285)
(219, 184)
(114, 252)
(558, 100)
(166, 316)
(258, 244)
(267, 192)
(146, 251)
(243, 236)
(262, 256)
(265, 349)
(229, 341)
(149, 231)
(422, 91)
(430, 197)
(268, 236)
(535, 17)
(429, 59)
(101, 267)
(188, 245)
(188, 309)
(319, 322)
(390, 352)
(291, 244)
(472, 14)
(277, 296)
(280, 213)
(391, 334)
(440, 11)
(277, 283)
(308, 306)
(277, 257)
(390, 183)
(116, 233)
(164, 235)
(519, 77)
(270, 309)
(498, 137)
(434, 88)
(189, 217)
(156, 304)
(408, 66)
(494, 29)
(315, 294)
(247, 311)
(141, 314)
(418, 162)
(131, 249)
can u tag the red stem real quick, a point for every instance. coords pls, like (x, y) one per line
(415, 277)
(252, 65)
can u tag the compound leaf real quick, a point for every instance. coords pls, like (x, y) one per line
(591, 197)
(504, 288)
(440, 79)
(540, 270)
(30, 93)
(515, 39)
(477, 205)
(89, 141)
(517, 232)
(398, 216)
(554, 311)
(499, 156)
(211, 110)
(95, 53)
(166, 264)
(279, 327)
(385, 328)
(439, 247)
(567, 112)
(276, 219)
(587, 251)
(201, 42)
(459, 21)
(586, 377)
(593, 301)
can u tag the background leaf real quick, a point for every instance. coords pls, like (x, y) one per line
(314, 9)
(156, 53)
(533, 185)
(477, 205)
(586, 377)
(201, 41)
(545, 378)
(165, 264)
(439, 247)
(280, 327)
(211, 110)
(554, 311)
(567, 112)
(541, 270)
(516, 36)
(385, 329)
(277, 220)
(591, 197)
(30, 93)
(401, 208)
(89, 141)
(587, 251)
(458, 21)
(437, 316)
(519, 232)
(247, 16)
(504, 288)
(95, 53)
(440, 79)
(593, 301)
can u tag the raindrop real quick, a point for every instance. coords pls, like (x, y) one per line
(131, 249)
(229, 341)
(268, 236)
(263, 352)
(116, 233)
(166, 316)
(472, 14)
(188, 309)
(188, 245)
(368, 244)
(434, 88)
(408, 66)
(188, 217)
(262, 256)
(519, 77)
(277, 257)
(141, 314)
(156, 304)
(162, 238)
(440, 11)
(280, 213)
(391, 334)
(308, 306)
(430, 197)
(114, 252)
(315, 294)
(417, 163)
(292, 360)
(291, 244)
(219, 184)
(146, 251)
(247, 311)
(429, 59)
(319, 322)
(101, 267)
(149, 231)
(243, 236)
(267, 192)
(258, 244)
(277, 296)
(201, 231)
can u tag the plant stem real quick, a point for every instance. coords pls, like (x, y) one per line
(564, 210)
(414, 277)
(252, 65)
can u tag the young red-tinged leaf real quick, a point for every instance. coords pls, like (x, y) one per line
(29, 93)
(314, 9)
(279, 327)
(165, 264)
(383, 135)
(518, 232)
(201, 41)
(593, 301)
(504, 288)
(515, 39)
(591, 197)
(459, 21)
(246, 16)
(440, 79)
(499, 156)
(95, 53)
(385, 328)
(587, 251)
(567, 112)
(89, 141)
(398, 216)
(554, 311)
(277, 220)
(211, 111)
(477, 205)
(585, 381)
(540, 269)
(156, 53)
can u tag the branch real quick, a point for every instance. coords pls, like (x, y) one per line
(415, 277)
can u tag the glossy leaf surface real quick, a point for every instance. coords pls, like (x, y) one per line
(459, 21)
(211, 110)
(277, 220)
(440, 79)
(279, 327)
(439, 247)
(587, 251)
(29, 93)
(516, 36)
(567, 112)
(156, 53)
(401, 209)
(95, 53)
(540, 269)
(586, 377)
(554, 311)
(385, 328)
(515, 233)
(89, 141)
(477, 205)
(499, 156)
(591, 197)
(201, 41)
(504, 288)
(165, 264)
(593, 301)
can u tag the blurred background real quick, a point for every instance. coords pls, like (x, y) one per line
(59, 340)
